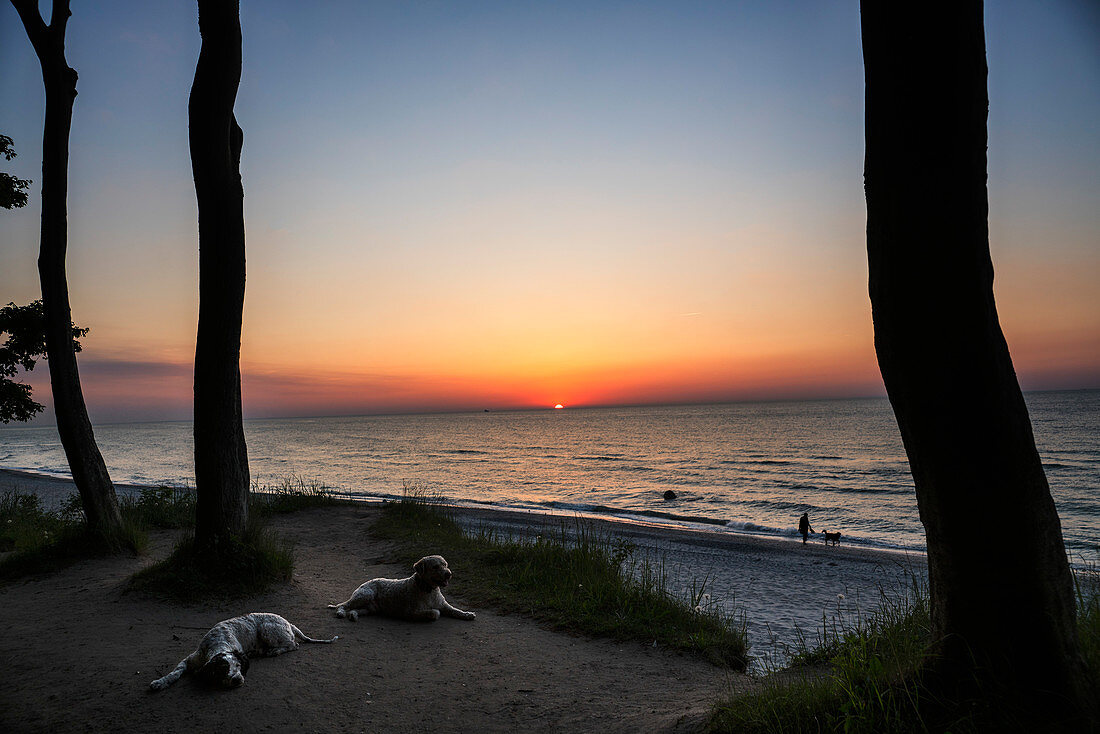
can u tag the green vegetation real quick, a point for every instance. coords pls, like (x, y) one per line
(253, 563)
(290, 495)
(39, 541)
(576, 579)
(1088, 619)
(868, 678)
(24, 346)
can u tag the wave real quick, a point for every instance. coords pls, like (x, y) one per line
(41, 472)
(621, 512)
(685, 521)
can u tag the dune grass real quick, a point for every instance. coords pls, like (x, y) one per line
(868, 677)
(290, 494)
(251, 564)
(41, 541)
(576, 579)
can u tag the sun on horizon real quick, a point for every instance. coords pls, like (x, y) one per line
(559, 406)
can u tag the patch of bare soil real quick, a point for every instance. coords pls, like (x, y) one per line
(77, 654)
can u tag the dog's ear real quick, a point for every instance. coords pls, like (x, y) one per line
(243, 660)
(420, 566)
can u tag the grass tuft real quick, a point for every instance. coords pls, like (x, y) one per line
(577, 579)
(250, 564)
(37, 541)
(290, 494)
(869, 677)
(1087, 583)
(158, 507)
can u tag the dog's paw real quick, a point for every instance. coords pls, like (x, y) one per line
(469, 616)
(434, 613)
(353, 616)
(157, 685)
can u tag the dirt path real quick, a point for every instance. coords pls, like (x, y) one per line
(77, 654)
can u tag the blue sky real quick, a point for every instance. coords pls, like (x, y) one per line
(465, 204)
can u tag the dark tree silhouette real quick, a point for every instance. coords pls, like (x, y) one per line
(13, 192)
(1001, 589)
(26, 343)
(97, 493)
(221, 458)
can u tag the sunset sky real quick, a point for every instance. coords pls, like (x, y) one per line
(467, 205)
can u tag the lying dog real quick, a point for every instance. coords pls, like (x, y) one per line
(417, 598)
(833, 538)
(221, 658)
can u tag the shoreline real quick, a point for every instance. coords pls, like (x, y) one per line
(55, 489)
(784, 589)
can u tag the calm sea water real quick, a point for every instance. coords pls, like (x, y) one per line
(735, 468)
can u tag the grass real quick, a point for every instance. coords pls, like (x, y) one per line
(1088, 617)
(576, 579)
(290, 495)
(42, 541)
(867, 677)
(38, 541)
(250, 564)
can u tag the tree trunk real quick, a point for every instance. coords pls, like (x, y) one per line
(221, 458)
(97, 493)
(1001, 588)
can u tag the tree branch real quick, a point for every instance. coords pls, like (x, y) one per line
(59, 17)
(32, 21)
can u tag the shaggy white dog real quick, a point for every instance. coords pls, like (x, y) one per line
(417, 598)
(221, 658)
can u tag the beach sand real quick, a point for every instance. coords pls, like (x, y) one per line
(78, 653)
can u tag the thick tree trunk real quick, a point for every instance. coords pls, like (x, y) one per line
(221, 458)
(1001, 589)
(97, 493)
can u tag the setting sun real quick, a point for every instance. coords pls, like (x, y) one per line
(559, 406)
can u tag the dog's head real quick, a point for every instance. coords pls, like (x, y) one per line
(433, 570)
(225, 670)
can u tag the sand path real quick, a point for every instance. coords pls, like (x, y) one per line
(78, 654)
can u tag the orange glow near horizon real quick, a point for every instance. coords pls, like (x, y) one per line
(506, 229)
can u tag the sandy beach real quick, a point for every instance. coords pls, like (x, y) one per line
(79, 652)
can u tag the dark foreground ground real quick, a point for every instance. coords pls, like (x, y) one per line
(77, 654)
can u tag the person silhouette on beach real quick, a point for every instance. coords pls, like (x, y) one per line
(804, 526)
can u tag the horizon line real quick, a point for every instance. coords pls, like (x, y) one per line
(522, 409)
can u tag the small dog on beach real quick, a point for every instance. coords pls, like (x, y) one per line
(221, 658)
(416, 598)
(833, 538)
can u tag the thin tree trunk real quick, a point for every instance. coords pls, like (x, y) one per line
(221, 458)
(1001, 588)
(97, 493)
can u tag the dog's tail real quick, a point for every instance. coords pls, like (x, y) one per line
(161, 683)
(333, 606)
(305, 638)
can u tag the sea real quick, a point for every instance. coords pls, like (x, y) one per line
(750, 468)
